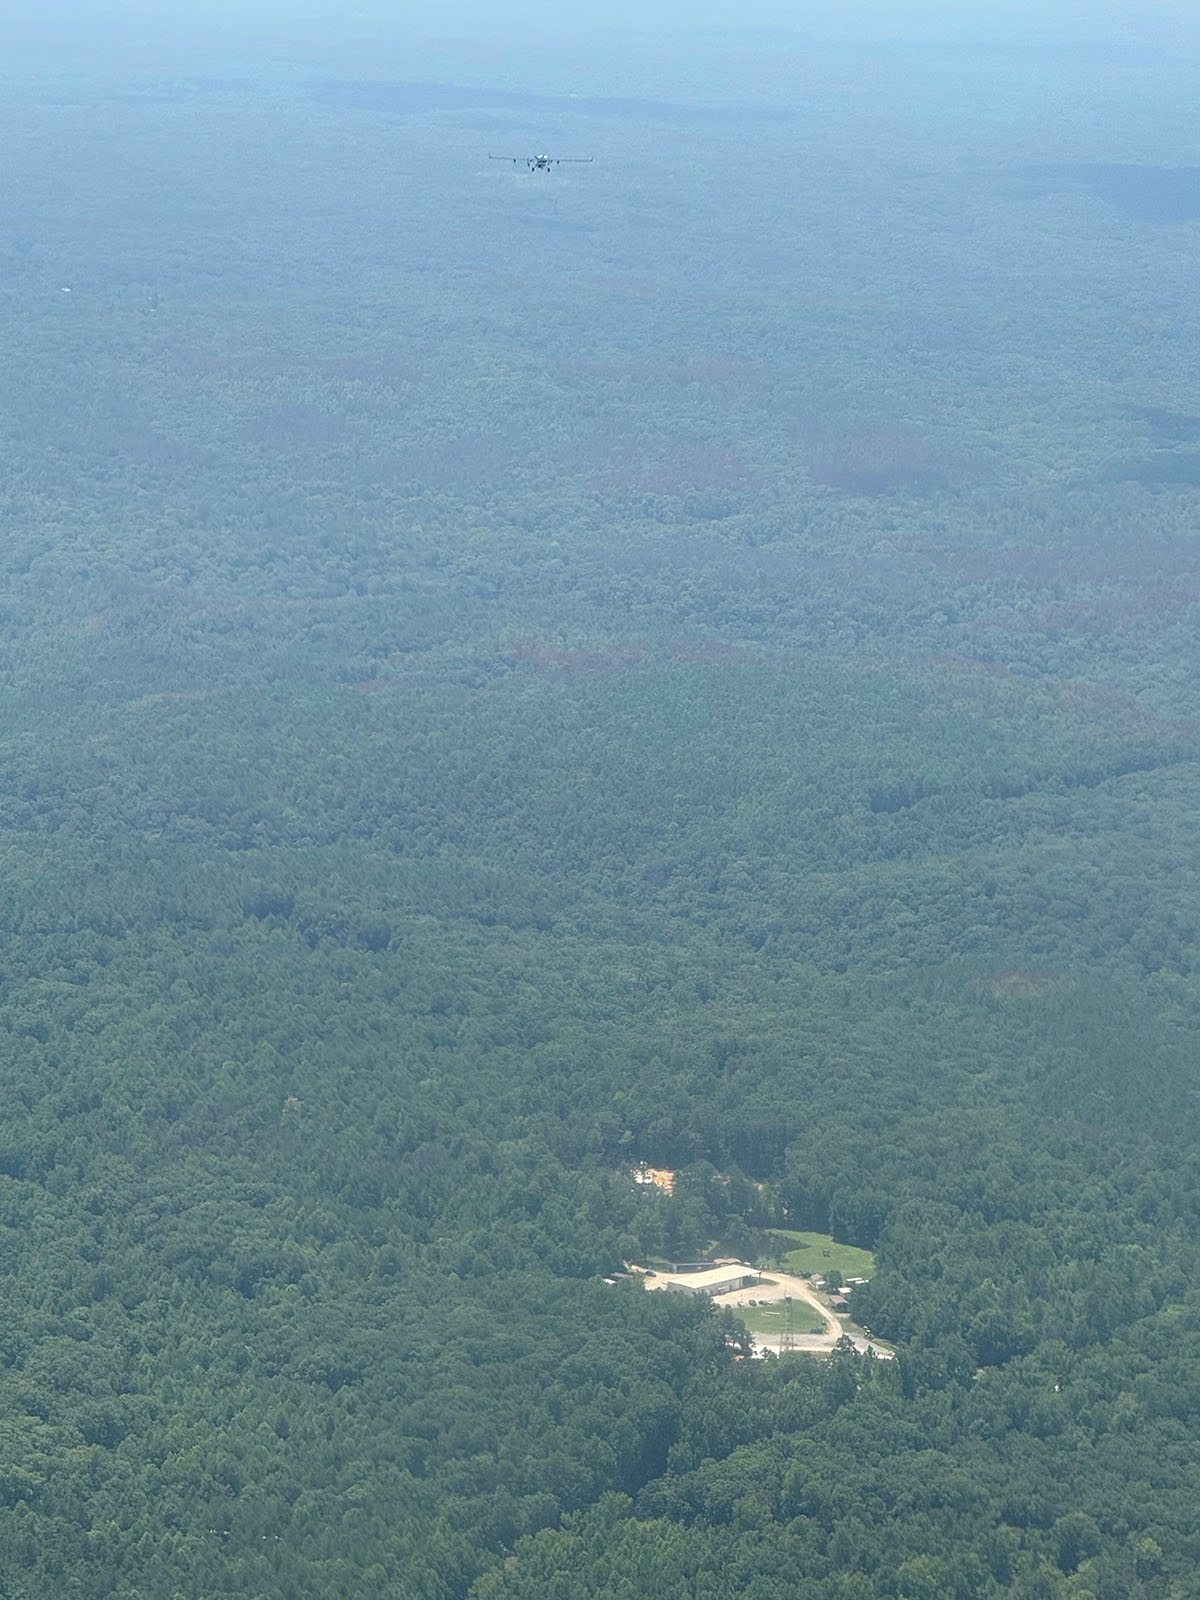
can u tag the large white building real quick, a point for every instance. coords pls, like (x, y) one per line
(714, 1280)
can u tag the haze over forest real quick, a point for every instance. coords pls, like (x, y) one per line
(514, 676)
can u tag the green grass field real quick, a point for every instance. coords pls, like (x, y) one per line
(817, 1252)
(770, 1319)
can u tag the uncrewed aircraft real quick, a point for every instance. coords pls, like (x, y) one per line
(544, 163)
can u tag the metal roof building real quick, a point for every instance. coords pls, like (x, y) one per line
(716, 1280)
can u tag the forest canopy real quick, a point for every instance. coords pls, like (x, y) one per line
(689, 660)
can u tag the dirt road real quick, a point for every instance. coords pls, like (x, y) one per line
(776, 1286)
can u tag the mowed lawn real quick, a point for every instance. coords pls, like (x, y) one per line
(818, 1253)
(770, 1320)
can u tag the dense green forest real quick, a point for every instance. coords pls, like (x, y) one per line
(691, 659)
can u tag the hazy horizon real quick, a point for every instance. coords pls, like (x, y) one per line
(68, 30)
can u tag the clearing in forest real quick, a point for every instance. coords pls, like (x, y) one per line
(819, 1253)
